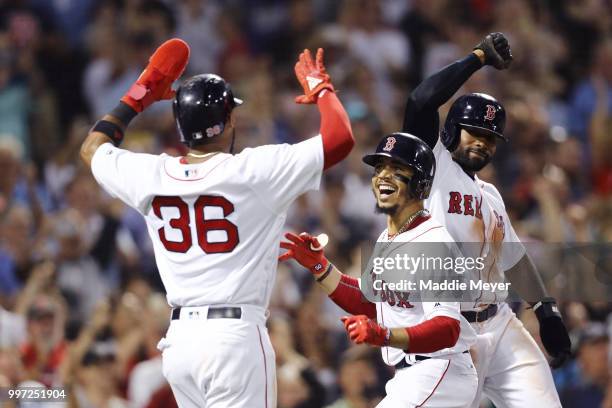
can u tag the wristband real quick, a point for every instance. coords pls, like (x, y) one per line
(326, 273)
(124, 112)
(545, 308)
(110, 129)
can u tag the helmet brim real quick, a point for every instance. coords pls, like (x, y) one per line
(374, 158)
(482, 130)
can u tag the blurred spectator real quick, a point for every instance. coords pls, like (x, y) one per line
(12, 329)
(593, 348)
(299, 386)
(146, 377)
(197, 24)
(45, 347)
(15, 104)
(98, 377)
(62, 242)
(357, 378)
(585, 96)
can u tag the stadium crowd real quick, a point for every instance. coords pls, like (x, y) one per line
(81, 304)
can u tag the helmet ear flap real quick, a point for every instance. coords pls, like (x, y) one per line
(450, 135)
(420, 188)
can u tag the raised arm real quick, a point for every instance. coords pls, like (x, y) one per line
(154, 84)
(335, 130)
(421, 113)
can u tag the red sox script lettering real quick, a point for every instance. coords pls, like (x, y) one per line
(490, 114)
(464, 204)
(389, 145)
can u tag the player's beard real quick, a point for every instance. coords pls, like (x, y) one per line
(462, 157)
(386, 210)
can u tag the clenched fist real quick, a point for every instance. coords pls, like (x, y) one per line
(496, 50)
(362, 329)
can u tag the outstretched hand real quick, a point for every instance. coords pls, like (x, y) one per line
(165, 66)
(312, 75)
(306, 250)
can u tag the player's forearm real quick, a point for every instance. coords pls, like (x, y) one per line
(421, 113)
(526, 280)
(336, 132)
(430, 336)
(344, 291)
(329, 282)
(437, 89)
(109, 129)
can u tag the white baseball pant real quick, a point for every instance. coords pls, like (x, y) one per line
(441, 382)
(220, 362)
(512, 370)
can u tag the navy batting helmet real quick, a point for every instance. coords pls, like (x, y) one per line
(412, 152)
(478, 112)
(202, 107)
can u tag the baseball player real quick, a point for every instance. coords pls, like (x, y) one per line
(512, 370)
(215, 218)
(427, 342)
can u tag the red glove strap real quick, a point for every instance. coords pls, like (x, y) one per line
(433, 335)
(348, 296)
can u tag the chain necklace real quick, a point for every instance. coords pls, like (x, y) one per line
(201, 156)
(419, 213)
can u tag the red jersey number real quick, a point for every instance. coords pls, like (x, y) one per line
(203, 226)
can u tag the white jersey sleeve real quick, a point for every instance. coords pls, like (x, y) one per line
(512, 248)
(124, 174)
(280, 173)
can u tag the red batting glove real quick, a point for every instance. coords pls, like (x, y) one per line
(362, 329)
(300, 247)
(154, 84)
(312, 76)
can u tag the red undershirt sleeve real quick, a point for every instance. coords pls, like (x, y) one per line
(434, 334)
(335, 129)
(348, 296)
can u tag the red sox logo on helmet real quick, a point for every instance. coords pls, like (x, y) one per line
(490, 115)
(390, 143)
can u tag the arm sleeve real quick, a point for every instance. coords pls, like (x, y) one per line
(421, 115)
(433, 335)
(280, 173)
(349, 297)
(335, 131)
(119, 172)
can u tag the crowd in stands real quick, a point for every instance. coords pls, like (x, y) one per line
(81, 303)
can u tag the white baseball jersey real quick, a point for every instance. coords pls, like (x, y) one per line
(400, 312)
(475, 216)
(215, 225)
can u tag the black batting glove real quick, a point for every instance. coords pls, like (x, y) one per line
(553, 333)
(496, 50)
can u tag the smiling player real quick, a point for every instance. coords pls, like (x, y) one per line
(427, 342)
(512, 370)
